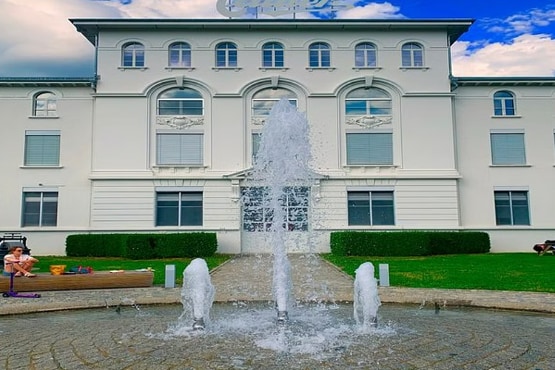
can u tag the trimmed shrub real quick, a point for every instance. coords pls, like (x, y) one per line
(96, 245)
(463, 242)
(142, 246)
(187, 245)
(407, 243)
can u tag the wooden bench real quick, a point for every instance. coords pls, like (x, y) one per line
(96, 280)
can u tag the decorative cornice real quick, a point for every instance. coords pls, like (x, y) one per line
(179, 122)
(369, 121)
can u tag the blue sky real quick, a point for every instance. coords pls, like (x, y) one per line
(509, 38)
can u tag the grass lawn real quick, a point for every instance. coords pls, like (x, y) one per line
(495, 271)
(109, 263)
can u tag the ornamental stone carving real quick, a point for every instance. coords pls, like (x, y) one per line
(179, 122)
(368, 121)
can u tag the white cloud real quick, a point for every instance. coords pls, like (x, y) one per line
(165, 8)
(526, 55)
(372, 10)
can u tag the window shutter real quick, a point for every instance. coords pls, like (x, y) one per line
(370, 149)
(42, 149)
(507, 149)
(180, 149)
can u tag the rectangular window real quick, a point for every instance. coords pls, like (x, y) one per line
(372, 107)
(179, 149)
(370, 208)
(177, 107)
(179, 208)
(42, 148)
(40, 208)
(511, 208)
(507, 148)
(258, 215)
(370, 149)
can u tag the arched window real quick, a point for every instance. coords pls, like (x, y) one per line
(369, 147)
(264, 100)
(226, 55)
(44, 104)
(180, 147)
(319, 55)
(365, 55)
(180, 101)
(272, 55)
(370, 102)
(133, 55)
(503, 103)
(412, 55)
(179, 55)
(262, 103)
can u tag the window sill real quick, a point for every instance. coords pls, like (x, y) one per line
(37, 227)
(366, 68)
(370, 166)
(43, 117)
(365, 227)
(330, 69)
(40, 167)
(132, 68)
(171, 68)
(510, 165)
(264, 69)
(506, 116)
(177, 167)
(406, 68)
(217, 69)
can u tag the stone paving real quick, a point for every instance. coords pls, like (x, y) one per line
(429, 332)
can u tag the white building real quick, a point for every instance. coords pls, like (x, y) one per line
(161, 138)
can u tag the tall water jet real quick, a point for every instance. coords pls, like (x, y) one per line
(281, 169)
(197, 294)
(366, 300)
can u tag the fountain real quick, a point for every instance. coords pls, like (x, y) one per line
(281, 167)
(366, 300)
(197, 294)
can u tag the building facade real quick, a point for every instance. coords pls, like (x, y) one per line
(162, 138)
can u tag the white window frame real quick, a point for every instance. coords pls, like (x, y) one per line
(190, 194)
(387, 160)
(372, 191)
(229, 52)
(366, 55)
(183, 52)
(273, 50)
(44, 152)
(46, 195)
(45, 104)
(320, 54)
(137, 52)
(512, 207)
(412, 55)
(179, 149)
(515, 155)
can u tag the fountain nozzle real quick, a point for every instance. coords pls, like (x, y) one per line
(282, 317)
(198, 324)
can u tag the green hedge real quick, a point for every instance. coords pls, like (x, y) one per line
(142, 246)
(407, 243)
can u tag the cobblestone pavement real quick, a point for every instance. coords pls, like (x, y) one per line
(430, 331)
